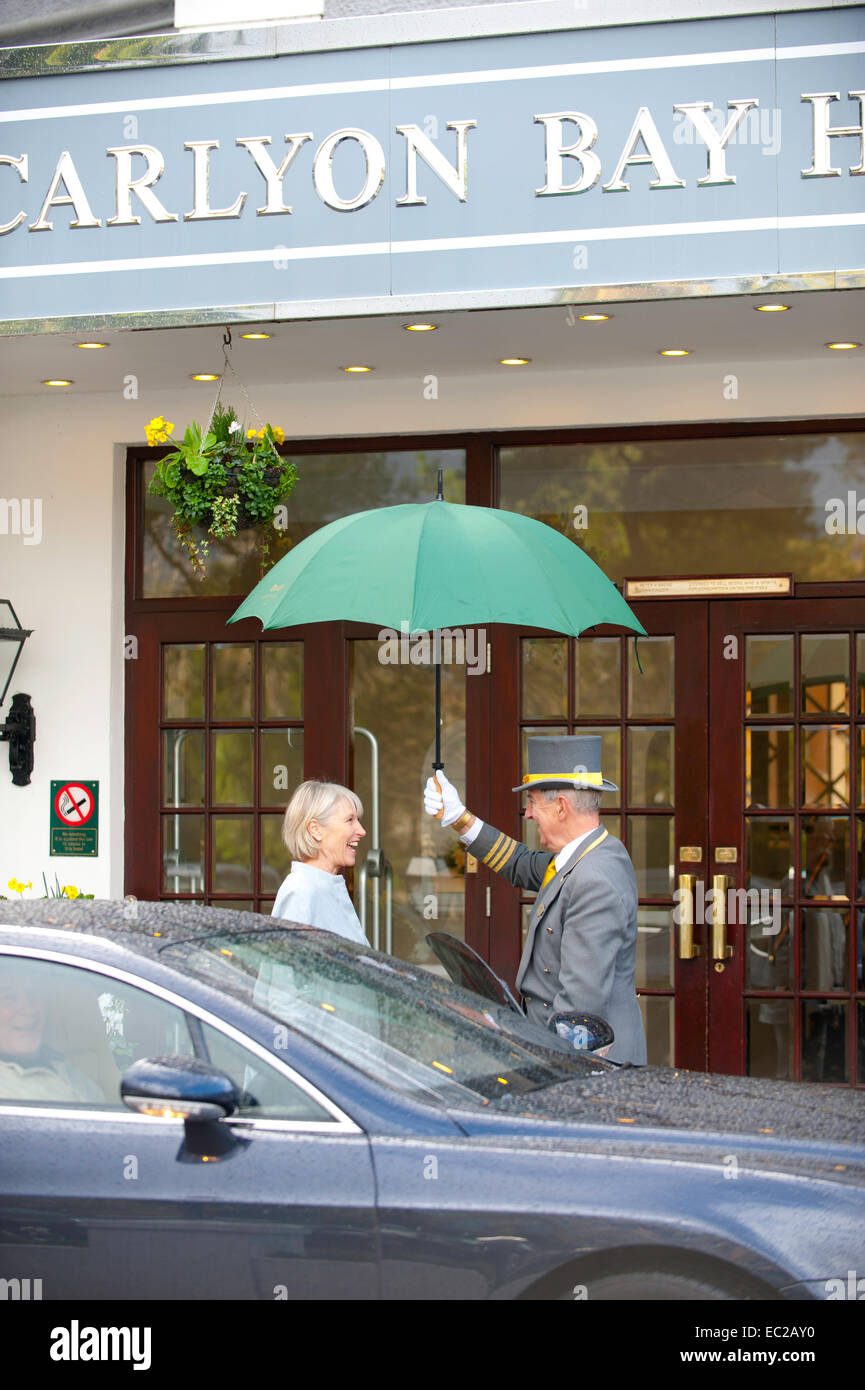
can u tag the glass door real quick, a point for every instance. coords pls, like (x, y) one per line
(411, 874)
(788, 838)
(648, 704)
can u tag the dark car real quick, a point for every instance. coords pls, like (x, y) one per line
(303, 1117)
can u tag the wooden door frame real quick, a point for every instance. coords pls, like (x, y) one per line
(823, 610)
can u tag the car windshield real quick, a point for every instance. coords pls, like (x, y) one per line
(401, 1025)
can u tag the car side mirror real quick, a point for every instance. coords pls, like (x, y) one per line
(181, 1088)
(584, 1032)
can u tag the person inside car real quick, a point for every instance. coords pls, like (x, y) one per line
(30, 1069)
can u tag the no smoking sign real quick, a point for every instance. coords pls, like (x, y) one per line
(75, 817)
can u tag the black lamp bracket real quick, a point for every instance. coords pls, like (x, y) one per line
(19, 732)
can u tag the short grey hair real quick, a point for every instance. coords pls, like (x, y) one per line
(582, 799)
(313, 801)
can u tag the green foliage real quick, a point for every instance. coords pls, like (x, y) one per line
(223, 482)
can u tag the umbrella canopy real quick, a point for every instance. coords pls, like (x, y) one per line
(438, 564)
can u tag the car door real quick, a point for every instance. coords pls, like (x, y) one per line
(98, 1202)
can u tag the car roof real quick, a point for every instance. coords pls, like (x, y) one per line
(143, 927)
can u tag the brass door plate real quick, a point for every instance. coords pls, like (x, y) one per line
(691, 854)
(726, 854)
(471, 864)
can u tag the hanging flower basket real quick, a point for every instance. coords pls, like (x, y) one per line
(221, 481)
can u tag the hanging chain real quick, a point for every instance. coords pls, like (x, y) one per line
(228, 367)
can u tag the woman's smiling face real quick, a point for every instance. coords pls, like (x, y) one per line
(338, 839)
(21, 1019)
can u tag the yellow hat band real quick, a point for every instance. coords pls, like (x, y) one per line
(595, 778)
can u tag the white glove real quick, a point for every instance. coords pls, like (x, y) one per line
(448, 797)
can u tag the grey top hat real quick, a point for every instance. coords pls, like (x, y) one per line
(565, 760)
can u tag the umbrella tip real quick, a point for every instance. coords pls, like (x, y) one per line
(440, 496)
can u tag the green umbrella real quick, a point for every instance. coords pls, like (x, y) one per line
(438, 564)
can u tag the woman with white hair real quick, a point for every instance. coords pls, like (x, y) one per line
(322, 831)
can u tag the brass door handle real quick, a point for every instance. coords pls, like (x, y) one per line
(720, 949)
(685, 911)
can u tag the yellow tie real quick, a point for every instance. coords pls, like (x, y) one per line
(551, 873)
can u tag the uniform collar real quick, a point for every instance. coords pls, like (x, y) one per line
(564, 854)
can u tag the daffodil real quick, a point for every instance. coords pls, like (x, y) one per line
(70, 891)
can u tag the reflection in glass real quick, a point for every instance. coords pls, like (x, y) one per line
(545, 677)
(860, 671)
(769, 675)
(231, 854)
(232, 680)
(611, 758)
(281, 680)
(769, 854)
(825, 766)
(651, 694)
(825, 856)
(612, 823)
(824, 1041)
(768, 767)
(650, 844)
(183, 767)
(769, 951)
(183, 681)
(183, 854)
(275, 862)
(396, 705)
(281, 765)
(328, 486)
(824, 948)
(232, 768)
(654, 965)
(825, 673)
(860, 758)
(717, 505)
(659, 1021)
(650, 766)
(238, 904)
(769, 1038)
(597, 682)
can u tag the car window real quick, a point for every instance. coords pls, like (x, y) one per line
(423, 1038)
(264, 1092)
(67, 1034)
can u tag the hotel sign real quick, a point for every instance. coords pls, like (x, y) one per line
(387, 177)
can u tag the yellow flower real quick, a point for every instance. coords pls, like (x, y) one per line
(251, 434)
(70, 891)
(13, 884)
(278, 434)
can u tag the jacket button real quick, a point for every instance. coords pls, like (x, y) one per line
(541, 910)
(550, 930)
(546, 971)
(546, 1006)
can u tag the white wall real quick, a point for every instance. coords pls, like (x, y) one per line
(68, 450)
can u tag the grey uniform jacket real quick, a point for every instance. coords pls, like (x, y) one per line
(581, 944)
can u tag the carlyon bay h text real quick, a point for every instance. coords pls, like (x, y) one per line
(571, 166)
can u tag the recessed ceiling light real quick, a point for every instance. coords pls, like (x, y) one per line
(771, 308)
(256, 337)
(595, 318)
(673, 352)
(92, 346)
(204, 376)
(514, 361)
(843, 347)
(57, 381)
(420, 327)
(358, 369)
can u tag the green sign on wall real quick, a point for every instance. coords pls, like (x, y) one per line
(74, 817)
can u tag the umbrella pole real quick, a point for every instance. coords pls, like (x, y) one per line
(438, 762)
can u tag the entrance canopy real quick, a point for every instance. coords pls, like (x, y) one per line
(498, 171)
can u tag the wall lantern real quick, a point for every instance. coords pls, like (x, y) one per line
(19, 731)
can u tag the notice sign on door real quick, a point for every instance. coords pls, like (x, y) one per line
(75, 818)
